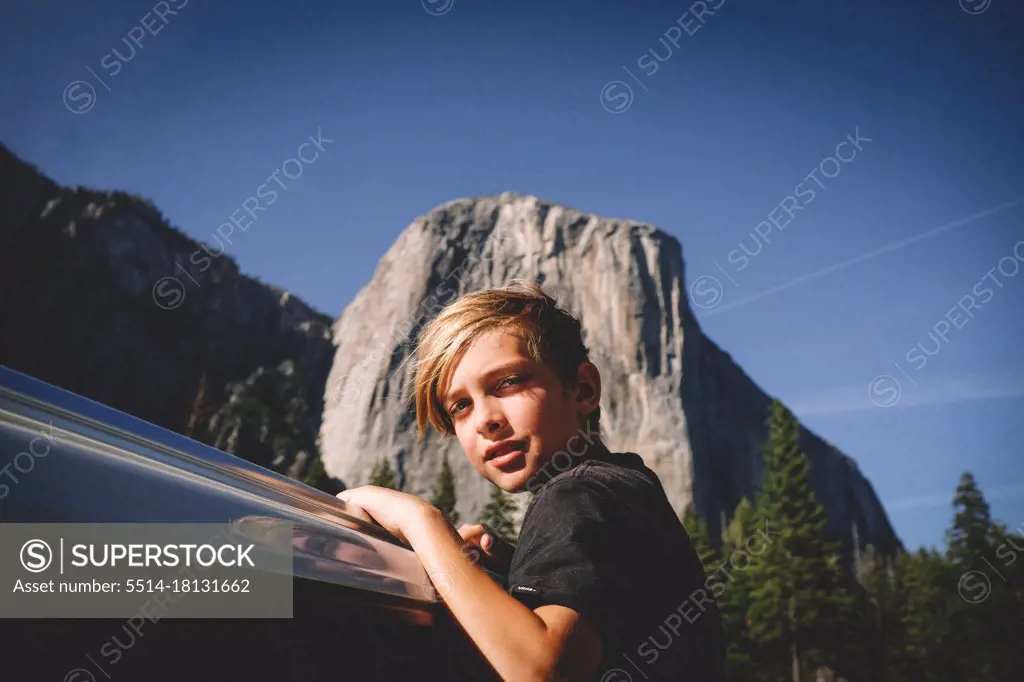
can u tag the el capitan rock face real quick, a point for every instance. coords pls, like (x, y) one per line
(669, 393)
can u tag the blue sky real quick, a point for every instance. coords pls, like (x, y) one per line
(431, 101)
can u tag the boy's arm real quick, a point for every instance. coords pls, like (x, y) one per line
(551, 642)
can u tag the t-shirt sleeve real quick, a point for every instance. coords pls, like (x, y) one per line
(569, 552)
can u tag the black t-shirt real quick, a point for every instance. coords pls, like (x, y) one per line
(603, 540)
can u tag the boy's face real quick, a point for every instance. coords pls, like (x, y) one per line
(498, 393)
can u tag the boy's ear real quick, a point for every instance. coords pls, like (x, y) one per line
(588, 388)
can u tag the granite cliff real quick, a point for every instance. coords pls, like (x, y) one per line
(670, 393)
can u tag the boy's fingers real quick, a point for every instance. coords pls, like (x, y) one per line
(486, 543)
(470, 531)
(355, 510)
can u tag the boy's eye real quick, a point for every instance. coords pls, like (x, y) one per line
(510, 381)
(507, 381)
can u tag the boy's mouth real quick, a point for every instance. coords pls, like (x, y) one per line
(504, 453)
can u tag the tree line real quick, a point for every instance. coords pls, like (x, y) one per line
(801, 607)
(802, 610)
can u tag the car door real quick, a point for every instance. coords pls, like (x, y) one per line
(363, 606)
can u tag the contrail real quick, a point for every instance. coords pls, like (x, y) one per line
(867, 256)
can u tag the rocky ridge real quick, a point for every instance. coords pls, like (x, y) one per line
(100, 295)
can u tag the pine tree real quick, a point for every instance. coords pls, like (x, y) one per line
(317, 477)
(699, 538)
(384, 475)
(732, 587)
(987, 600)
(875, 645)
(1006, 614)
(799, 602)
(1009, 557)
(497, 515)
(973, 533)
(443, 495)
(896, 662)
(924, 578)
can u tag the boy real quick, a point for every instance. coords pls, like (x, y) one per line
(603, 572)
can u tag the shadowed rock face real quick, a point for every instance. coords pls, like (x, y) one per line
(79, 309)
(670, 394)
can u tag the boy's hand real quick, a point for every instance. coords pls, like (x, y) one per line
(396, 511)
(497, 554)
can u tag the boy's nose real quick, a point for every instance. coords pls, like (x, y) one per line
(490, 422)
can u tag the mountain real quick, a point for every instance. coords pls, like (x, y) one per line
(670, 394)
(101, 296)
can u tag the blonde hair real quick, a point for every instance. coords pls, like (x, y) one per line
(552, 335)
